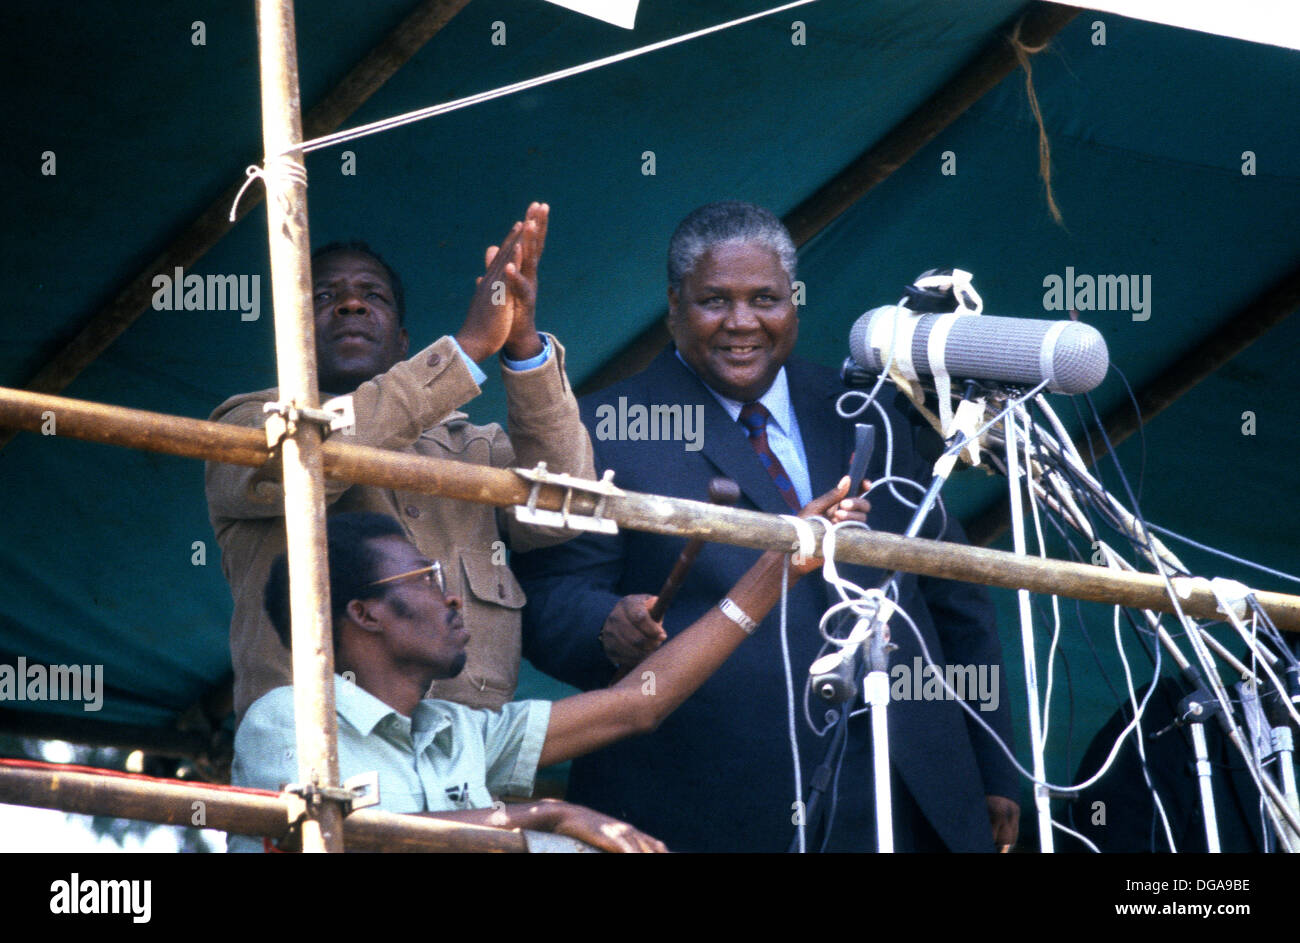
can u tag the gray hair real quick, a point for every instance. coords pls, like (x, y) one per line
(729, 221)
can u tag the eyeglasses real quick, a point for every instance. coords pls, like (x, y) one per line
(432, 575)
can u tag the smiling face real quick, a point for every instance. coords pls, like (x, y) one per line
(358, 331)
(420, 625)
(733, 319)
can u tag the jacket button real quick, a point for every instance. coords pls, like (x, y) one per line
(412, 511)
(435, 359)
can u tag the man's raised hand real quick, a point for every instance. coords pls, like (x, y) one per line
(503, 309)
(521, 284)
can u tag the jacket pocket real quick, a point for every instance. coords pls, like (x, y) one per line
(488, 582)
(493, 600)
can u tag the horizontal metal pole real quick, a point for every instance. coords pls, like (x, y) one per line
(171, 802)
(662, 515)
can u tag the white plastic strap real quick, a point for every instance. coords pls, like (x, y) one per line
(1231, 596)
(942, 380)
(1047, 351)
(967, 420)
(892, 336)
(968, 299)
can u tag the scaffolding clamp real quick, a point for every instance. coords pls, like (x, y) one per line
(565, 517)
(359, 792)
(282, 418)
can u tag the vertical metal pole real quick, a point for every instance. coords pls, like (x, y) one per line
(875, 691)
(1207, 789)
(1282, 743)
(304, 493)
(1042, 801)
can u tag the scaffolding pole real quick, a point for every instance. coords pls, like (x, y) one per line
(240, 812)
(501, 487)
(304, 481)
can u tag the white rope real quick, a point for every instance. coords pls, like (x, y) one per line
(800, 811)
(281, 165)
(807, 540)
(1069, 831)
(410, 117)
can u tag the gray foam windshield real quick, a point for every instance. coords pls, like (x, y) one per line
(1072, 356)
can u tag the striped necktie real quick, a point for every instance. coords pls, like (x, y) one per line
(754, 416)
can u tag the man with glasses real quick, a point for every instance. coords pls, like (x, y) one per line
(396, 630)
(412, 404)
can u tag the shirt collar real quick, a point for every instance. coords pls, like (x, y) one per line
(359, 707)
(364, 712)
(776, 399)
(432, 722)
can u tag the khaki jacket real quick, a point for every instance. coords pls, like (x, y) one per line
(413, 407)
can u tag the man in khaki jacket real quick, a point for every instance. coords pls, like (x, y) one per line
(412, 405)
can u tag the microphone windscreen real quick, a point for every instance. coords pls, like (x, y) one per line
(860, 349)
(1070, 355)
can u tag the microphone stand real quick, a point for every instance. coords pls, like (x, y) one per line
(1042, 798)
(834, 676)
(1193, 711)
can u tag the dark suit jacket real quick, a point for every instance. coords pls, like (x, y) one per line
(718, 774)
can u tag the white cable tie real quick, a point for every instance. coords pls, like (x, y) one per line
(804, 533)
(280, 165)
(1231, 594)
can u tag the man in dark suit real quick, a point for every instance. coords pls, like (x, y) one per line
(718, 775)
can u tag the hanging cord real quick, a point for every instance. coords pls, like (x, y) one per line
(800, 812)
(1023, 52)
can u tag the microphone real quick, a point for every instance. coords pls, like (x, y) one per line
(1071, 356)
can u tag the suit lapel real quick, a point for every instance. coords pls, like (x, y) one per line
(725, 445)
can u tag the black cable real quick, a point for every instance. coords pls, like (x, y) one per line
(835, 785)
(1141, 429)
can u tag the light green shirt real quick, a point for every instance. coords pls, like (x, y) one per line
(444, 757)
